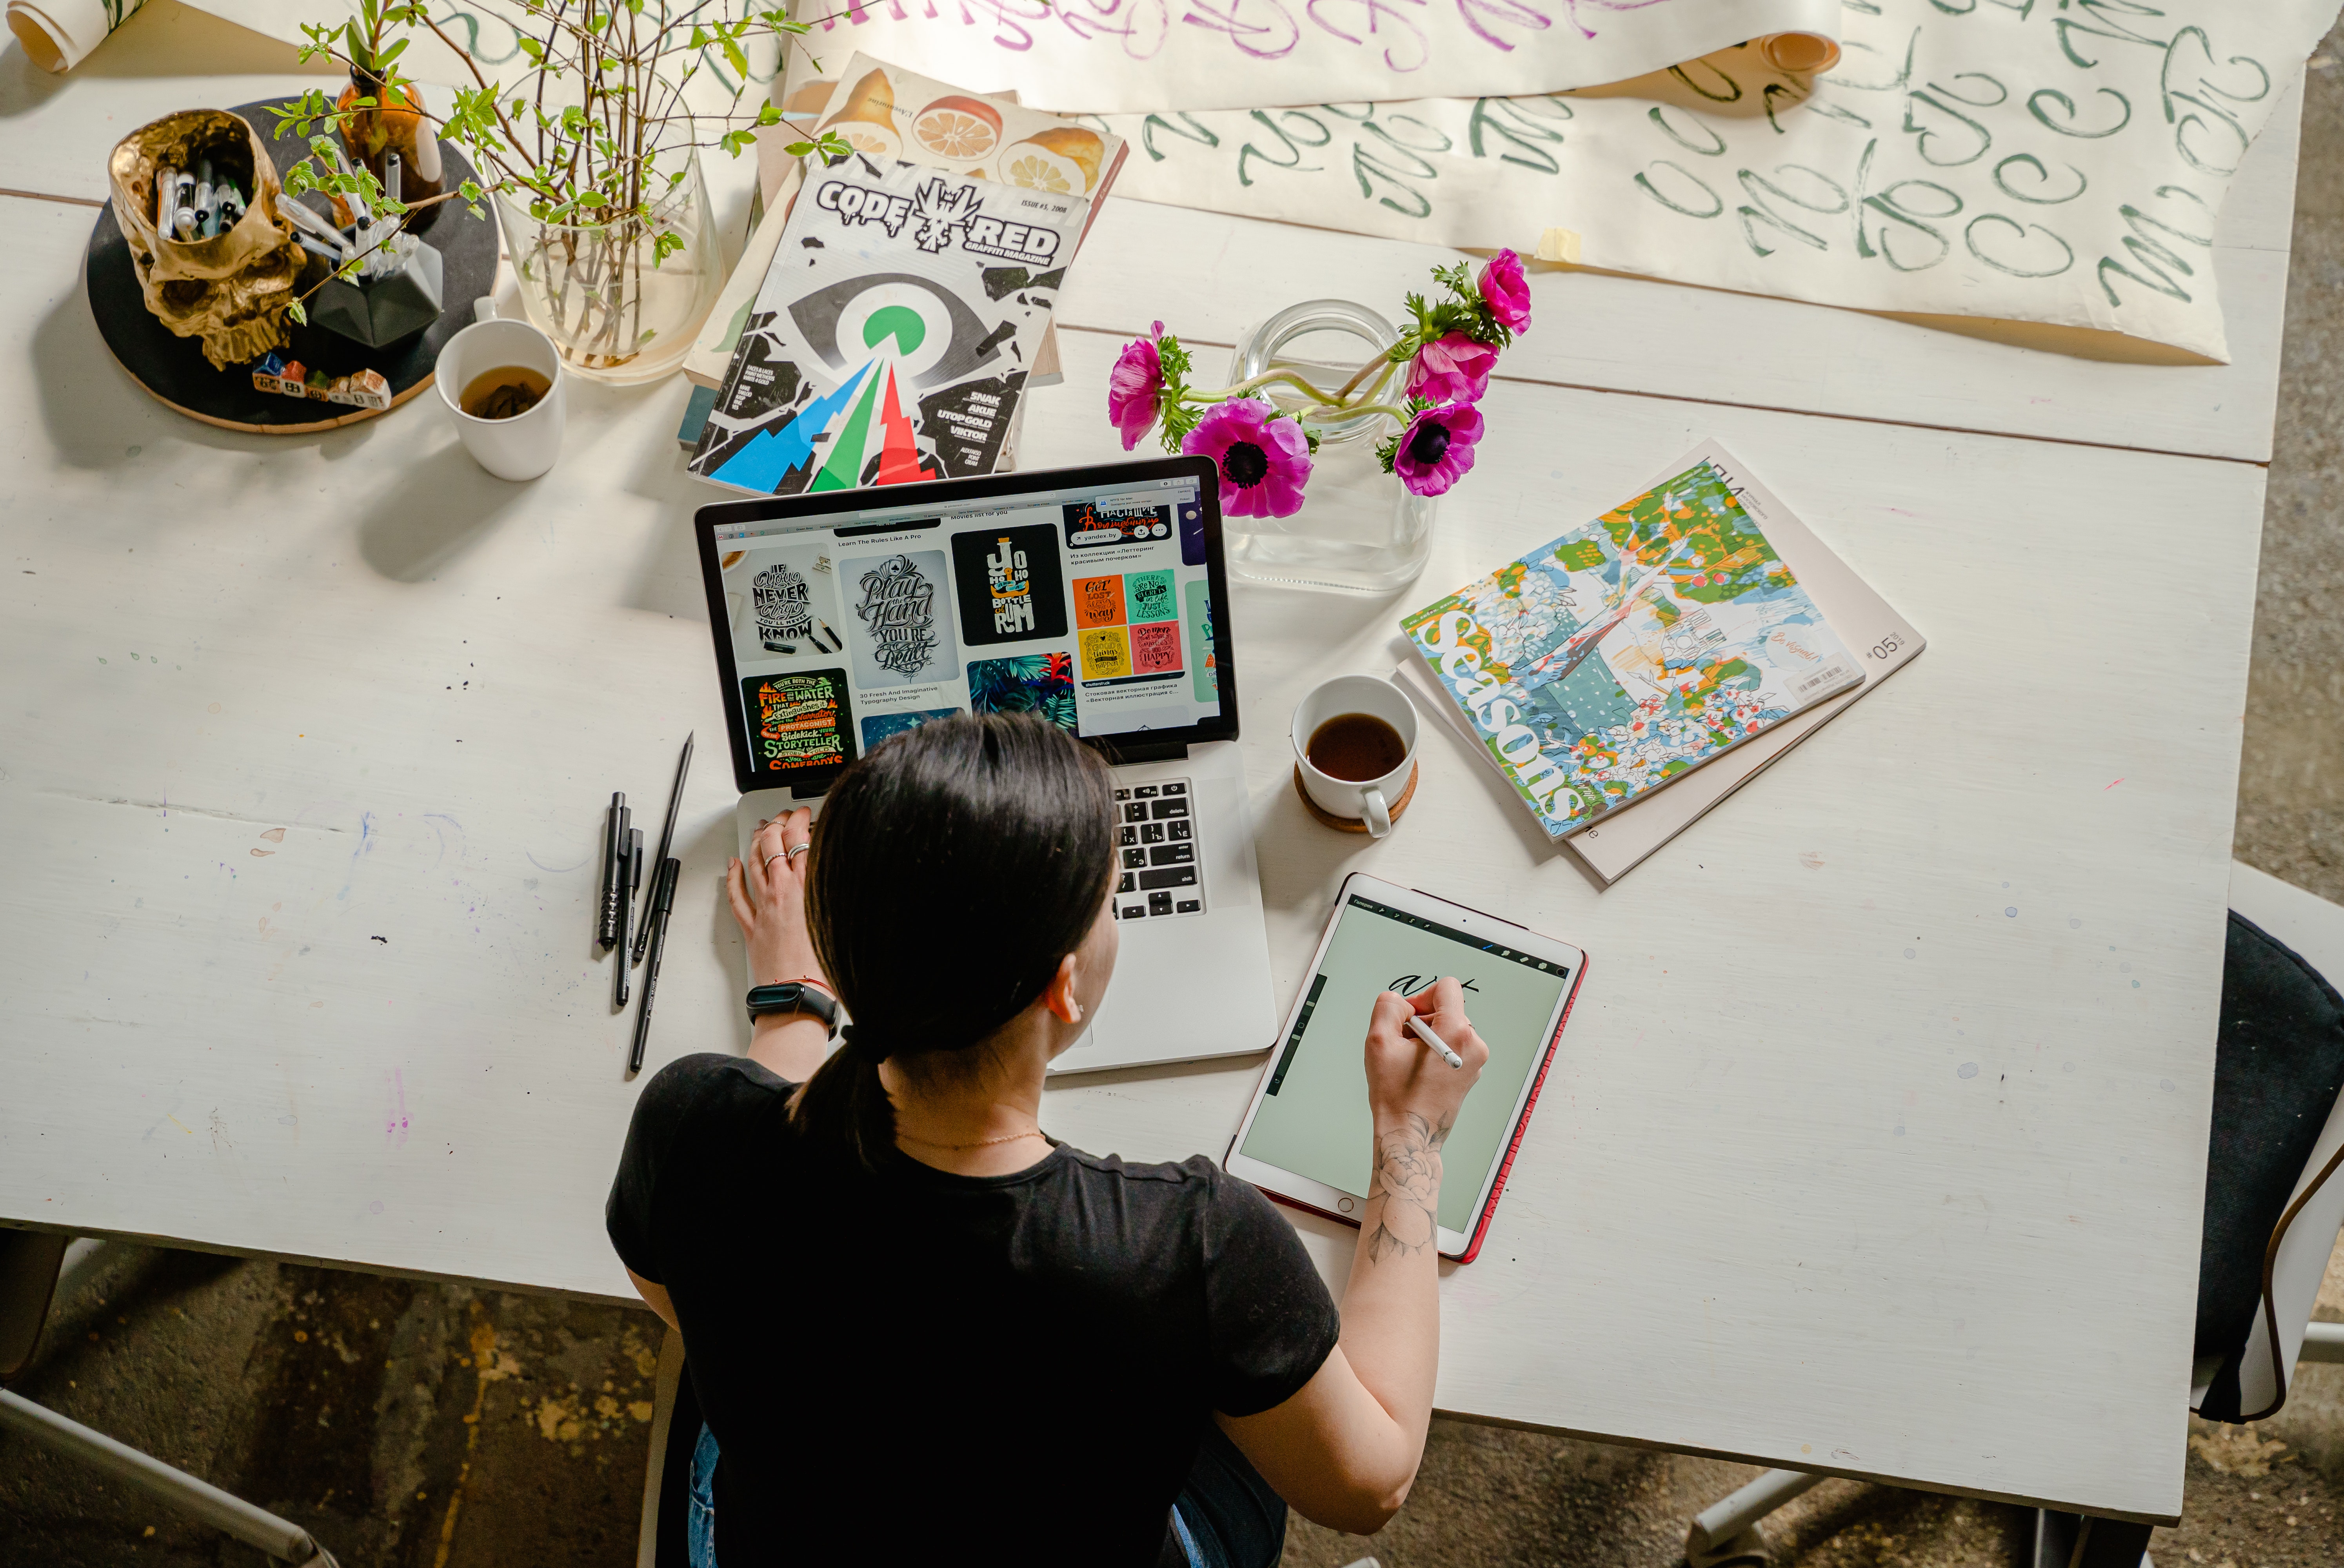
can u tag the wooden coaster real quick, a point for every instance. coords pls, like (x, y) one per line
(1352, 824)
(176, 372)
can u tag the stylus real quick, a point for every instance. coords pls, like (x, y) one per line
(1416, 1026)
(667, 839)
(662, 902)
(614, 850)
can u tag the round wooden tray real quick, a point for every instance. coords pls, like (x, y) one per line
(1354, 824)
(174, 369)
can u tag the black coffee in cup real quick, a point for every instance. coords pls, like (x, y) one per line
(1355, 748)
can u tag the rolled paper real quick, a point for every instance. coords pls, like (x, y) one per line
(1799, 53)
(58, 34)
(426, 152)
(167, 190)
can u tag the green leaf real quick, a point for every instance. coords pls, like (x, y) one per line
(299, 315)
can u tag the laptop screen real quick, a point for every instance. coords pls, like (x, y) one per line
(1087, 596)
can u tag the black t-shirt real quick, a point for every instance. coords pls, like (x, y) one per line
(908, 1365)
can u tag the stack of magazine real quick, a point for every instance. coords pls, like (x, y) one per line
(1627, 676)
(902, 300)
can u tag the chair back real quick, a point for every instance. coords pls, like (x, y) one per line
(2252, 1381)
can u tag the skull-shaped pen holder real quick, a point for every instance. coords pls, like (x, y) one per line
(230, 291)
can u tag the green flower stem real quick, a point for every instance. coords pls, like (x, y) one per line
(1382, 360)
(1222, 393)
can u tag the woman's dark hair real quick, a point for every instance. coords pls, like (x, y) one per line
(953, 869)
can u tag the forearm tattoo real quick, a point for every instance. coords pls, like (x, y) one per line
(1407, 1187)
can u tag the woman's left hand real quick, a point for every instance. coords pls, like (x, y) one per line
(769, 901)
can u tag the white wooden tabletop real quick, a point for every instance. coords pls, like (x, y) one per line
(1875, 1145)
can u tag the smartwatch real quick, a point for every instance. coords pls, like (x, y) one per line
(794, 996)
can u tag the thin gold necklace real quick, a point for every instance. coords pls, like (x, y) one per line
(980, 1144)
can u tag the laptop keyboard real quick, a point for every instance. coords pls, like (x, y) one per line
(1156, 853)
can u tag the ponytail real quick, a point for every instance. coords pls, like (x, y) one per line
(952, 870)
(844, 1106)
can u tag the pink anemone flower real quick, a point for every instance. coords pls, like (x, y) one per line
(1436, 448)
(1133, 389)
(1451, 369)
(1506, 292)
(1264, 462)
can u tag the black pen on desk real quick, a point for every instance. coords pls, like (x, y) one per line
(614, 849)
(655, 922)
(627, 886)
(667, 839)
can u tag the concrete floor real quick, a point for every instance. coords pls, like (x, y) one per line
(425, 1426)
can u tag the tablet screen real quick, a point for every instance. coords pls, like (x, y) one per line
(1314, 1118)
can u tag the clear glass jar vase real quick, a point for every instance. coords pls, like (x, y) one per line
(620, 312)
(1360, 530)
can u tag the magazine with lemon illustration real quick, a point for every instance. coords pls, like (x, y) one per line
(893, 333)
(1620, 656)
(891, 113)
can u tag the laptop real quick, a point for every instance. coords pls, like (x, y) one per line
(1095, 597)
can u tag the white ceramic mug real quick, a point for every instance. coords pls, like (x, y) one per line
(1367, 801)
(525, 444)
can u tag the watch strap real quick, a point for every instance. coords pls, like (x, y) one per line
(793, 996)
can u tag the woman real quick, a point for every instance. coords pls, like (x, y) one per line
(919, 1329)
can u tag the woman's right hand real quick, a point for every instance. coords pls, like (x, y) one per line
(1406, 1078)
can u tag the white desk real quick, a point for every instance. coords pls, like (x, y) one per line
(1844, 1165)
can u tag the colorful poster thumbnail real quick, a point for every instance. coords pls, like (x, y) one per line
(1106, 653)
(800, 725)
(1198, 599)
(1012, 587)
(1037, 683)
(1156, 649)
(1124, 598)
(882, 726)
(1112, 653)
(1091, 527)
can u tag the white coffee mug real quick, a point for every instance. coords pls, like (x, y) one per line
(525, 444)
(1367, 801)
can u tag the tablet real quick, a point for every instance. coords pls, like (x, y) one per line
(1306, 1139)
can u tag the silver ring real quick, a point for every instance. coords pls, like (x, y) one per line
(794, 851)
(770, 858)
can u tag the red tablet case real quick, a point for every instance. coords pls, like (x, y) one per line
(1513, 1145)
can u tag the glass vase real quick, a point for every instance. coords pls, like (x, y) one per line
(1360, 530)
(619, 311)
